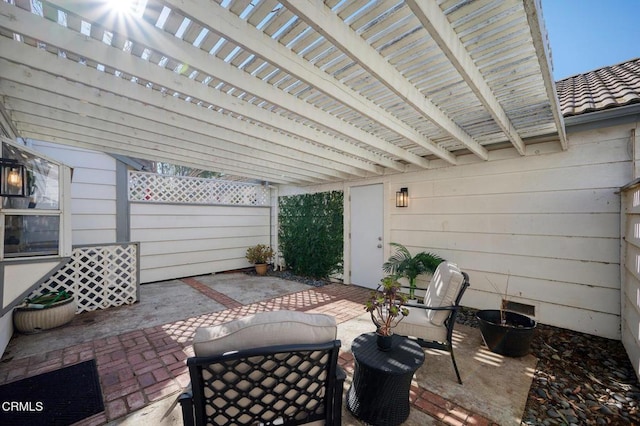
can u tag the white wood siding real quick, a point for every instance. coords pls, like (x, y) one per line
(185, 240)
(93, 192)
(549, 223)
(630, 271)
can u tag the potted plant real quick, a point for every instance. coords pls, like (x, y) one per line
(386, 306)
(506, 332)
(49, 310)
(259, 255)
(401, 263)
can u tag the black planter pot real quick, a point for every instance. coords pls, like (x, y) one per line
(384, 342)
(512, 339)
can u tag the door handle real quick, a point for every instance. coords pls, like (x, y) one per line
(379, 245)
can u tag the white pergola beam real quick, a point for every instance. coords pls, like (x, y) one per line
(182, 114)
(330, 26)
(540, 42)
(28, 99)
(37, 114)
(435, 22)
(65, 138)
(232, 28)
(85, 132)
(171, 46)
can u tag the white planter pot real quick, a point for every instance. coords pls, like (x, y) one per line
(33, 320)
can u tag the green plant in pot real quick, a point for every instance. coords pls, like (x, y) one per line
(403, 264)
(259, 255)
(48, 310)
(386, 306)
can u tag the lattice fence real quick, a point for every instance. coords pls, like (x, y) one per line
(99, 277)
(152, 187)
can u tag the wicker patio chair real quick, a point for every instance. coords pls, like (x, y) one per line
(431, 322)
(272, 368)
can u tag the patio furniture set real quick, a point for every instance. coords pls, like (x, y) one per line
(281, 367)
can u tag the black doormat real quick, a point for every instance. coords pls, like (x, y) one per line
(60, 397)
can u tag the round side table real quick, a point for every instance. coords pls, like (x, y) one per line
(379, 392)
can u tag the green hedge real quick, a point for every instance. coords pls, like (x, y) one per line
(310, 233)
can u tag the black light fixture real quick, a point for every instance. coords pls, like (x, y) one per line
(402, 197)
(13, 181)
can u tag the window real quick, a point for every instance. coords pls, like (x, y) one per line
(27, 235)
(32, 224)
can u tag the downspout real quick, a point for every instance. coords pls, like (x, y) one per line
(273, 222)
(634, 153)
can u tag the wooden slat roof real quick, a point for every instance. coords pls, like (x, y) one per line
(295, 91)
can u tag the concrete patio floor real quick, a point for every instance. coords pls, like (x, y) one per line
(140, 351)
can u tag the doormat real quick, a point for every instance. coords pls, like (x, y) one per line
(60, 397)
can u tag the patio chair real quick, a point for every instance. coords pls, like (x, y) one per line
(431, 322)
(270, 368)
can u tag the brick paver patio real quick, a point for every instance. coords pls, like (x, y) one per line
(143, 366)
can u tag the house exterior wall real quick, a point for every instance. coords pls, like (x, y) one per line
(630, 270)
(179, 240)
(19, 276)
(93, 192)
(630, 254)
(175, 240)
(547, 223)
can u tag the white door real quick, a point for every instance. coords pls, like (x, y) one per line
(367, 253)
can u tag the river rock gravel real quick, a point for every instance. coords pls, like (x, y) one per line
(580, 379)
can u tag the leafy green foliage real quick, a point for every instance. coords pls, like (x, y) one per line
(311, 227)
(386, 305)
(403, 264)
(260, 253)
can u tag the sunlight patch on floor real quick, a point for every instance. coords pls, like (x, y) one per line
(487, 357)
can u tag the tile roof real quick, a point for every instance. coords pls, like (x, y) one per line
(608, 87)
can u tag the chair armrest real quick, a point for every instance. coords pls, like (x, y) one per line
(407, 288)
(433, 308)
(337, 395)
(186, 403)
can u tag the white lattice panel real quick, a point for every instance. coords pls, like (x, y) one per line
(99, 277)
(152, 187)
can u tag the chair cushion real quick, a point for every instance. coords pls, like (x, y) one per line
(417, 324)
(442, 291)
(265, 329)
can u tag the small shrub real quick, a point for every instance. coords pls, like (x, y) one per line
(260, 253)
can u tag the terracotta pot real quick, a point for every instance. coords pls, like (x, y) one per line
(261, 268)
(33, 320)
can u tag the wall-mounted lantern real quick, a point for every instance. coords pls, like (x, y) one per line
(402, 197)
(13, 179)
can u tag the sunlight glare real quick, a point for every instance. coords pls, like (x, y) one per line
(128, 7)
(120, 6)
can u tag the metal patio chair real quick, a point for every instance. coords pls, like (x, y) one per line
(271, 368)
(431, 323)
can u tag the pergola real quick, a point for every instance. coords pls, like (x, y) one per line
(294, 92)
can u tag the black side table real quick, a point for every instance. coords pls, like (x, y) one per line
(379, 392)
